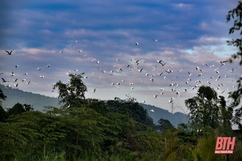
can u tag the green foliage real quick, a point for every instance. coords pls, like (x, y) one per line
(148, 145)
(3, 114)
(72, 93)
(131, 109)
(204, 149)
(236, 95)
(164, 124)
(16, 109)
(2, 96)
(204, 109)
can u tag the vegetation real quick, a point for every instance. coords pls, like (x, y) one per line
(236, 14)
(90, 129)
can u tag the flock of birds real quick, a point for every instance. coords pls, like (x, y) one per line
(166, 75)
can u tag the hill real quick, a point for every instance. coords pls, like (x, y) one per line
(39, 101)
(158, 113)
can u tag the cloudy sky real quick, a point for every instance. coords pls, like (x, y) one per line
(127, 48)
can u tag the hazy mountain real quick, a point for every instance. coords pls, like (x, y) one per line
(158, 113)
(39, 101)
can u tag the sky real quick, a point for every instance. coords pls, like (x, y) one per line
(126, 48)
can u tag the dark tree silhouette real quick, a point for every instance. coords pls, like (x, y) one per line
(236, 14)
(2, 96)
(204, 109)
(73, 93)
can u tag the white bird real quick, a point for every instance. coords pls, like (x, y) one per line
(190, 74)
(47, 66)
(136, 43)
(171, 100)
(152, 110)
(12, 74)
(41, 76)
(159, 61)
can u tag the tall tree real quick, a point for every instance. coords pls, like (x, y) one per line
(204, 110)
(236, 14)
(2, 96)
(73, 93)
(3, 113)
(226, 116)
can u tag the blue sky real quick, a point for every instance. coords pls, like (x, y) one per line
(189, 34)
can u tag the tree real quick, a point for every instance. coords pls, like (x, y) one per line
(2, 96)
(236, 14)
(204, 109)
(164, 124)
(3, 114)
(204, 150)
(16, 109)
(226, 116)
(73, 93)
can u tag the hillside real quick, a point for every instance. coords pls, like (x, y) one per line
(39, 101)
(158, 113)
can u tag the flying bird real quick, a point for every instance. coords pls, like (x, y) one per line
(9, 52)
(136, 43)
(4, 80)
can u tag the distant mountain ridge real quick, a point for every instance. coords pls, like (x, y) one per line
(38, 102)
(158, 113)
